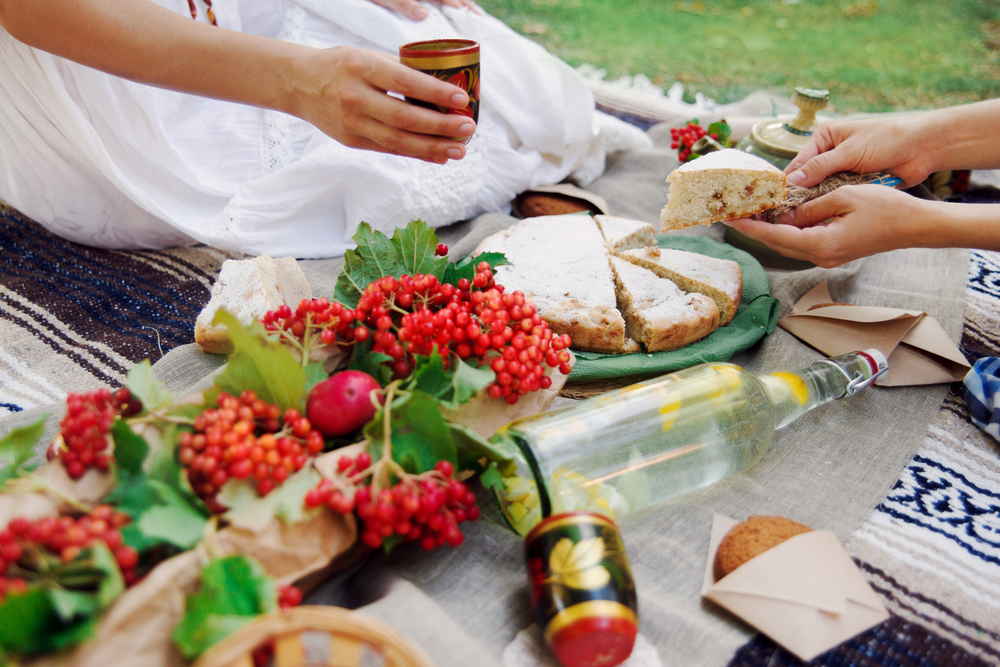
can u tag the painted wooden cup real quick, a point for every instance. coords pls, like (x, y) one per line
(582, 592)
(453, 60)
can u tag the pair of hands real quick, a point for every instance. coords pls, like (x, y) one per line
(850, 222)
(342, 91)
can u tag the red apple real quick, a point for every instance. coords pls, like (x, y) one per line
(342, 403)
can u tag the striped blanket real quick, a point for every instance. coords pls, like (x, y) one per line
(75, 318)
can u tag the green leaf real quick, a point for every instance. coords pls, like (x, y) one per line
(373, 363)
(75, 634)
(175, 523)
(374, 258)
(469, 381)
(416, 245)
(467, 267)
(472, 447)
(420, 435)
(174, 519)
(145, 386)
(430, 377)
(314, 375)
(69, 604)
(491, 477)
(233, 591)
(264, 366)
(286, 501)
(722, 129)
(112, 584)
(130, 449)
(18, 446)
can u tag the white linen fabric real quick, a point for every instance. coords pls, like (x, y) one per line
(108, 162)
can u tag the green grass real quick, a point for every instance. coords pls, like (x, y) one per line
(872, 55)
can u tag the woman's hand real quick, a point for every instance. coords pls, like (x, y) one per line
(846, 224)
(891, 145)
(416, 11)
(342, 91)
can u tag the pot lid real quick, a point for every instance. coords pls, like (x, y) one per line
(786, 136)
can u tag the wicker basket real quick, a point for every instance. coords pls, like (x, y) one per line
(350, 634)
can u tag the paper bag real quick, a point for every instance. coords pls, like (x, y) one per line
(806, 593)
(918, 349)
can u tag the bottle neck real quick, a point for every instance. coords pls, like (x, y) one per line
(792, 394)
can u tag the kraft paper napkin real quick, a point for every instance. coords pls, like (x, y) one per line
(806, 593)
(918, 349)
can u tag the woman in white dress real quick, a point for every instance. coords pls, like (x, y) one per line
(127, 124)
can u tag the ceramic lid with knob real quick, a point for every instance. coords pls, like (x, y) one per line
(778, 140)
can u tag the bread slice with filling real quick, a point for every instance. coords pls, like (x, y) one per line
(624, 233)
(722, 185)
(248, 289)
(561, 264)
(657, 313)
(719, 279)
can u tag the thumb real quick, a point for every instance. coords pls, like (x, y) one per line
(818, 167)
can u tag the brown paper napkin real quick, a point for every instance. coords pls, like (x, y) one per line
(918, 349)
(806, 593)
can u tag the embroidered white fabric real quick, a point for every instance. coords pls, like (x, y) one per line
(109, 162)
(528, 649)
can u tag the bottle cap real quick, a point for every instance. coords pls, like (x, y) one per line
(876, 361)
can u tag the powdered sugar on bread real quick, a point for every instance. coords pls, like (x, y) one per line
(624, 233)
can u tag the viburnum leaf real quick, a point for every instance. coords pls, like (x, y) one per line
(112, 584)
(472, 448)
(69, 604)
(264, 366)
(722, 129)
(145, 386)
(18, 446)
(415, 247)
(130, 449)
(419, 434)
(466, 268)
(429, 376)
(314, 375)
(233, 591)
(374, 258)
(468, 381)
(491, 477)
(27, 620)
(286, 502)
(160, 513)
(365, 360)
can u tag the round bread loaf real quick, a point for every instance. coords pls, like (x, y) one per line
(751, 538)
(536, 204)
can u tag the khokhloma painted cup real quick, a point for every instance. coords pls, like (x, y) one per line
(455, 61)
(582, 592)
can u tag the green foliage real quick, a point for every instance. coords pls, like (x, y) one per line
(130, 449)
(286, 501)
(264, 366)
(466, 268)
(233, 591)
(18, 446)
(145, 386)
(420, 435)
(410, 251)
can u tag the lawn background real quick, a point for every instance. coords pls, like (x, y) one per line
(873, 55)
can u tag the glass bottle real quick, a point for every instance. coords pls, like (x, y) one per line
(631, 448)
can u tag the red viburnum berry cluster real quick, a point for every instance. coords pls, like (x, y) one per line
(313, 322)
(416, 315)
(244, 438)
(427, 508)
(64, 537)
(85, 427)
(685, 137)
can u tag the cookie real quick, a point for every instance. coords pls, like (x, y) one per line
(751, 538)
(535, 204)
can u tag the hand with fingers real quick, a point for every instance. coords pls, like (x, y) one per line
(844, 225)
(416, 10)
(343, 92)
(892, 145)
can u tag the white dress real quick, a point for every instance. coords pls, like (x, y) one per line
(108, 162)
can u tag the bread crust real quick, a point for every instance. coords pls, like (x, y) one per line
(748, 539)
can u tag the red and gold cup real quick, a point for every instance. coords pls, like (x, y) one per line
(582, 592)
(455, 61)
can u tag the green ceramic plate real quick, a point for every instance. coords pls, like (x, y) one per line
(755, 318)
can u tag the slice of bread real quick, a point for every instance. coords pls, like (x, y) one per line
(722, 185)
(248, 289)
(657, 313)
(719, 279)
(624, 233)
(561, 263)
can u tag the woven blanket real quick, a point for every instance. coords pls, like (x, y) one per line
(75, 318)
